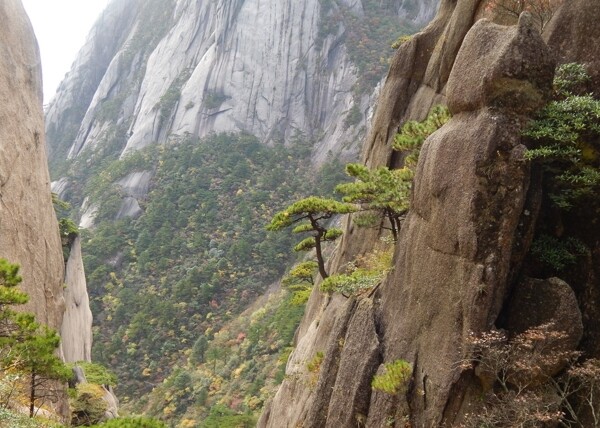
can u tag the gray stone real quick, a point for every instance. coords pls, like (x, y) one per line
(76, 329)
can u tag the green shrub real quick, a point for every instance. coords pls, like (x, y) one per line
(314, 365)
(557, 253)
(131, 422)
(97, 374)
(88, 406)
(364, 274)
(413, 134)
(565, 136)
(395, 378)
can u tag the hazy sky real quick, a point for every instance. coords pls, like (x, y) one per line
(61, 27)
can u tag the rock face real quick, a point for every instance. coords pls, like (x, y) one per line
(468, 200)
(473, 213)
(76, 329)
(186, 67)
(29, 232)
(28, 228)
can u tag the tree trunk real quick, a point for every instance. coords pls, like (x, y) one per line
(32, 395)
(320, 259)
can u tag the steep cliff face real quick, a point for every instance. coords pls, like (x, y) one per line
(28, 227)
(458, 265)
(174, 68)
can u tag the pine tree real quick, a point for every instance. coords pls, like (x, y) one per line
(24, 344)
(382, 191)
(310, 215)
(38, 358)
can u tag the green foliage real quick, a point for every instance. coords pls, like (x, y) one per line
(223, 417)
(195, 258)
(367, 36)
(314, 365)
(395, 378)
(169, 100)
(566, 135)
(213, 100)
(571, 78)
(68, 228)
(9, 279)
(300, 281)
(97, 374)
(400, 41)
(312, 212)
(557, 253)
(382, 190)
(10, 419)
(88, 406)
(386, 193)
(131, 422)
(362, 274)
(250, 354)
(413, 134)
(311, 208)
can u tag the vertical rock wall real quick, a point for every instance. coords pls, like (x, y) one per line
(28, 227)
(474, 210)
(76, 329)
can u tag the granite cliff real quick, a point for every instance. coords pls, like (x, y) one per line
(158, 72)
(29, 231)
(461, 263)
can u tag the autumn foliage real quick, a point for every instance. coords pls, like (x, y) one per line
(541, 10)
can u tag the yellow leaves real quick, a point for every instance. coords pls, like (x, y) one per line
(146, 372)
(237, 372)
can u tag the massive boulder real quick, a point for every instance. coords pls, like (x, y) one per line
(29, 233)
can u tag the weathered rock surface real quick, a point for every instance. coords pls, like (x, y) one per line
(76, 329)
(29, 232)
(551, 307)
(454, 255)
(28, 228)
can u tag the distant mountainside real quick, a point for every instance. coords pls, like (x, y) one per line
(269, 68)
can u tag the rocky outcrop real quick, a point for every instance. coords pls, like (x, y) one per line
(29, 232)
(76, 329)
(28, 228)
(455, 257)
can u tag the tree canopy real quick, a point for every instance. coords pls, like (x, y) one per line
(311, 214)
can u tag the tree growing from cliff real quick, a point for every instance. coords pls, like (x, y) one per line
(381, 191)
(39, 360)
(300, 281)
(310, 216)
(413, 134)
(384, 192)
